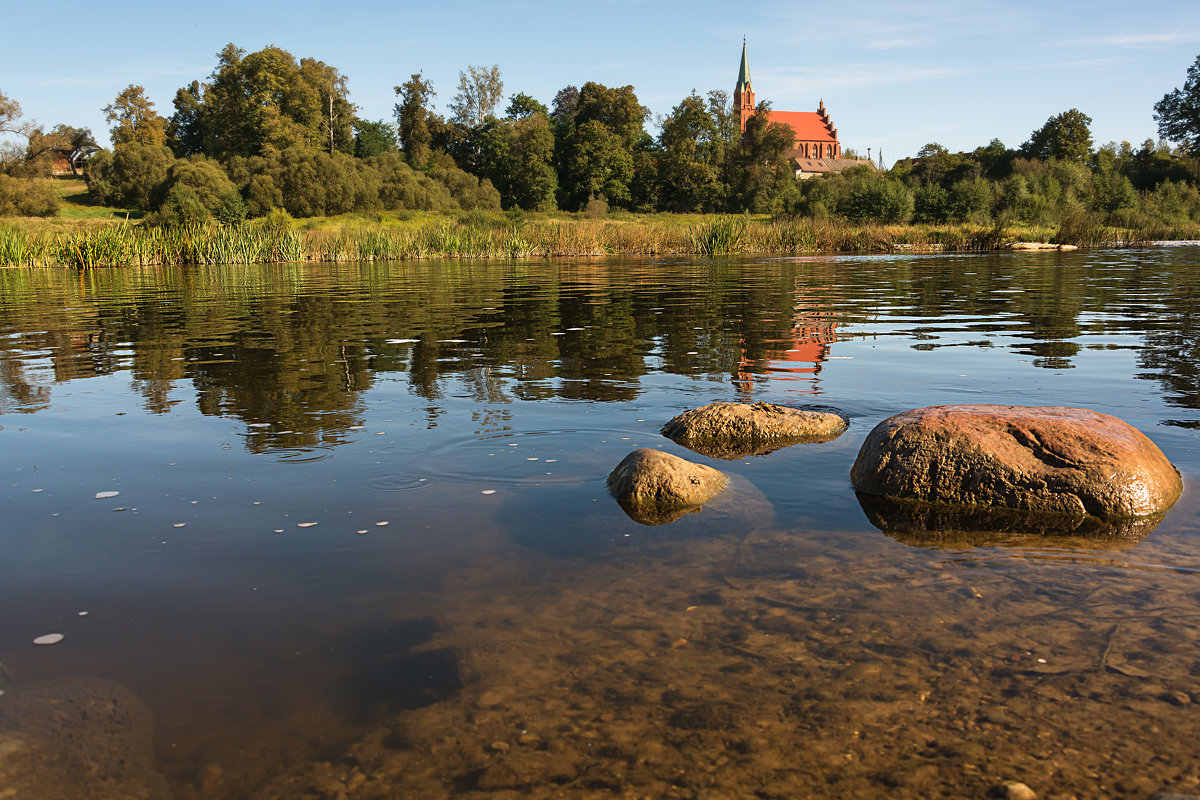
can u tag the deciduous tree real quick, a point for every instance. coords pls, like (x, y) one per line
(480, 90)
(1178, 113)
(133, 119)
(1067, 136)
(413, 117)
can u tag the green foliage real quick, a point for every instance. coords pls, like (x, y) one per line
(133, 176)
(480, 90)
(413, 117)
(522, 105)
(230, 208)
(1178, 112)
(26, 197)
(1065, 136)
(205, 179)
(261, 103)
(532, 182)
(598, 164)
(373, 138)
(133, 120)
(181, 206)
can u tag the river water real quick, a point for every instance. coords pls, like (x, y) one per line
(345, 528)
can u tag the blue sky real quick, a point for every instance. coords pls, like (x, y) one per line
(893, 75)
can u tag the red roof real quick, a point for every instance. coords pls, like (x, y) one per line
(807, 125)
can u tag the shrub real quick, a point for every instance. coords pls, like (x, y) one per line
(27, 197)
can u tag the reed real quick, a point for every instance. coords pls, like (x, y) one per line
(477, 237)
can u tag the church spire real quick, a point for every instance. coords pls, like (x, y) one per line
(743, 84)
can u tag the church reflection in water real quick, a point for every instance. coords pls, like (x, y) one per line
(799, 355)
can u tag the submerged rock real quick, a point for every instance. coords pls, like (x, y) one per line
(1047, 459)
(921, 524)
(735, 430)
(77, 737)
(662, 487)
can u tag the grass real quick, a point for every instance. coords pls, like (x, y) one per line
(86, 235)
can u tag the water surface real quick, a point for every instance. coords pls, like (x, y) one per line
(362, 543)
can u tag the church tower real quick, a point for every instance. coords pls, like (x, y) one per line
(743, 95)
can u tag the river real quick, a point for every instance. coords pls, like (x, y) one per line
(344, 528)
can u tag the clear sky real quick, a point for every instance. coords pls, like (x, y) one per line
(893, 75)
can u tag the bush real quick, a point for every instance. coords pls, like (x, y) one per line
(28, 197)
(205, 178)
(180, 207)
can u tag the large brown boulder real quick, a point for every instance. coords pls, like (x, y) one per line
(735, 430)
(662, 487)
(1047, 459)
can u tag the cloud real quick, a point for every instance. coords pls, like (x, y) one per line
(1143, 39)
(894, 44)
(788, 83)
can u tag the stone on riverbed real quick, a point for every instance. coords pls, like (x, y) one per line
(655, 484)
(735, 430)
(68, 738)
(1047, 459)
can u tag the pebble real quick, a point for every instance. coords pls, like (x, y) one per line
(1014, 790)
(489, 700)
(499, 747)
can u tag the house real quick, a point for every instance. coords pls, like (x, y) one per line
(815, 146)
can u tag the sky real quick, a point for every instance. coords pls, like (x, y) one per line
(894, 76)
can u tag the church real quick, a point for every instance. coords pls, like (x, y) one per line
(815, 146)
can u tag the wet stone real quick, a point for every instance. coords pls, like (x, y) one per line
(735, 430)
(1044, 459)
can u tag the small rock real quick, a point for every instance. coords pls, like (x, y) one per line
(1013, 790)
(499, 747)
(489, 700)
(650, 482)
(736, 430)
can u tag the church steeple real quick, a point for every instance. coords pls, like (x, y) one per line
(743, 94)
(743, 84)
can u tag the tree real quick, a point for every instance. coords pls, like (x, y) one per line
(10, 115)
(760, 171)
(479, 92)
(522, 105)
(337, 112)
(598, 164)
(1178, 113)
(373, 138)
(1067, 136)
(413, 117)
(261, 103)
(75, 143)
(532, 181)
(186, 129)
(689, 165)
(133, 119)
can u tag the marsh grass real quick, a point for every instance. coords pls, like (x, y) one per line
(91, 243)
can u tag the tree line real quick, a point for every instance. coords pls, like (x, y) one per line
(266, 131)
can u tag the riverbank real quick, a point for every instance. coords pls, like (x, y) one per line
(475, 235)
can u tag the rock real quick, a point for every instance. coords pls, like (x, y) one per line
(654, 483)
(735, 430)
(1013, 790)
(77, 737)
(1046, 459)
(920, 524)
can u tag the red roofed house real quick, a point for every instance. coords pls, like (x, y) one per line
(816, 148)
